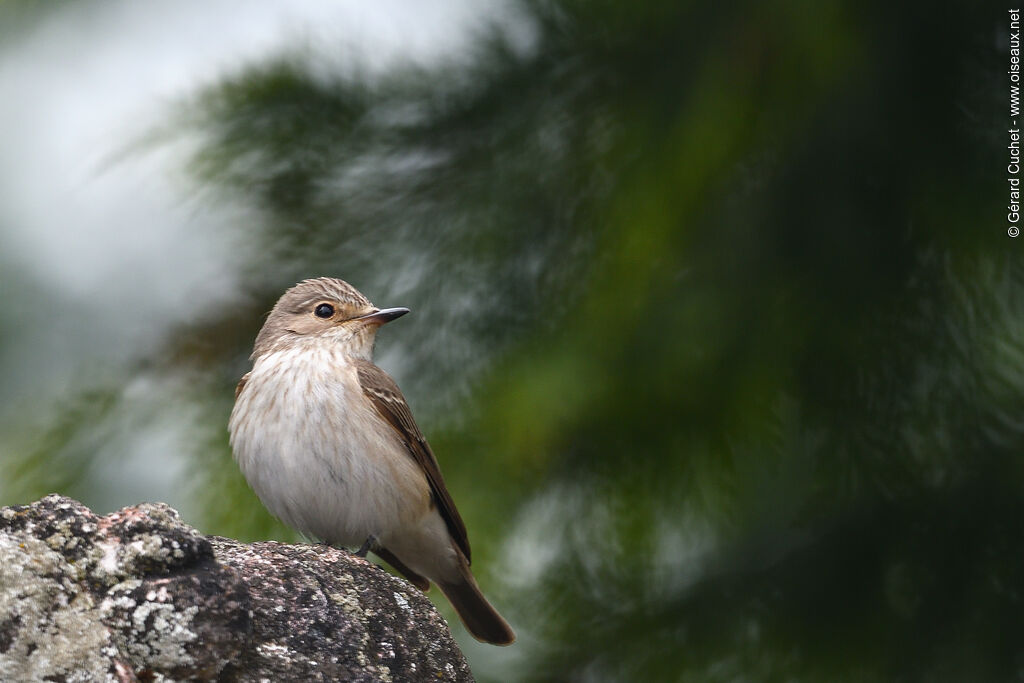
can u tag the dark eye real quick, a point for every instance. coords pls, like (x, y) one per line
(323, 310)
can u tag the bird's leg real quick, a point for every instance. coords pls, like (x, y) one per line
(370, 541)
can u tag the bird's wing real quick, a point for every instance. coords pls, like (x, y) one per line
(241, 383)
(415, 579)
(387, 398)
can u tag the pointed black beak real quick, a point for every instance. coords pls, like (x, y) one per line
(384, 315)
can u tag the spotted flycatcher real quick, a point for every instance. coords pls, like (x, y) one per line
(329, 444)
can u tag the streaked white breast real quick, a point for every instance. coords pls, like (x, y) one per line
(316, 452)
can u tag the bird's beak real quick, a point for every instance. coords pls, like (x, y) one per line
(385, 315)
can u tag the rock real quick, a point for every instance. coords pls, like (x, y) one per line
(140, 595)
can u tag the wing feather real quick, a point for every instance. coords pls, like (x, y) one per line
(387, 398)
(241, 384)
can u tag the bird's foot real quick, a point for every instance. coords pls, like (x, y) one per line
(370, 541)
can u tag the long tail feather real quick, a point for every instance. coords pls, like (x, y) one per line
(480, 618)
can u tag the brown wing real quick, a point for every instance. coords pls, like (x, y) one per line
(388, 400)
(415, 579)
(241, 384)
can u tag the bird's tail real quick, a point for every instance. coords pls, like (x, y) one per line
(479, 617)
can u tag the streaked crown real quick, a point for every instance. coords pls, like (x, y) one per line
(302, 312)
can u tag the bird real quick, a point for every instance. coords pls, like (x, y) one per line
(328, 443)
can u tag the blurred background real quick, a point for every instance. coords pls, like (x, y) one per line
(717, 331)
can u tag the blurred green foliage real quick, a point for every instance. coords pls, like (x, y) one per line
(718, 337)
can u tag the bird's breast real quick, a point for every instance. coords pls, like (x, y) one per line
(318, 454)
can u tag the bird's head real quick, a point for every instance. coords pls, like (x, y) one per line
(325, 309)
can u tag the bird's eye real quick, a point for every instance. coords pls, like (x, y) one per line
(323, 310)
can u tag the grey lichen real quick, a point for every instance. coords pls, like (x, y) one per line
(49, 628)
(138, 594)
(152, 632)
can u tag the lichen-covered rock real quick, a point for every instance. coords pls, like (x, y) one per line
(50, 628)
(311, 597)
(138, 594)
